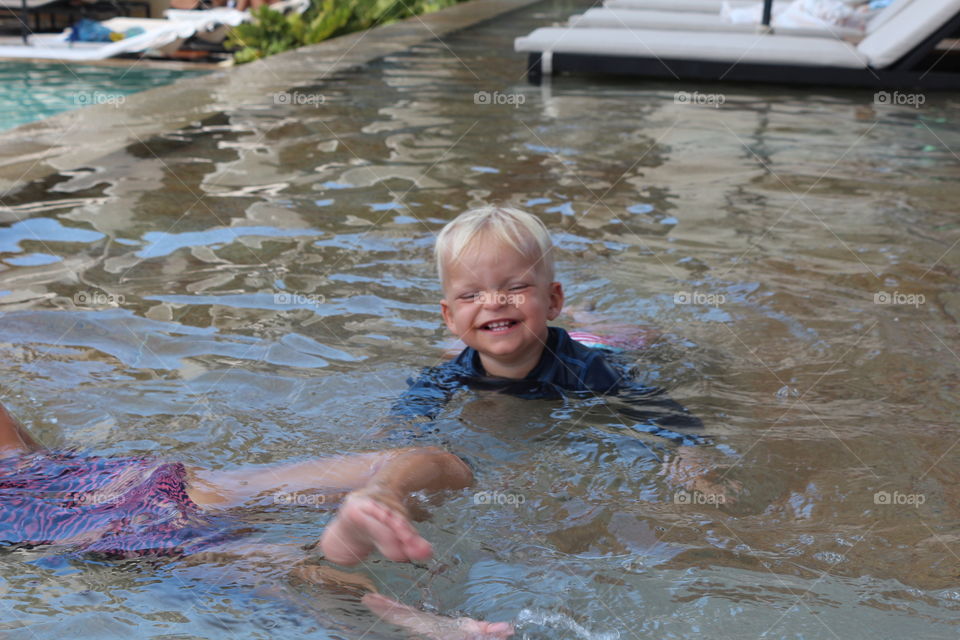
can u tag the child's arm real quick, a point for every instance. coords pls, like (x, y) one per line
(376, 515)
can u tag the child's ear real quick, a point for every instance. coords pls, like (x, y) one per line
(447, 316)
(556, 300)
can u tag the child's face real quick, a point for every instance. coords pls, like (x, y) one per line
(498, 301)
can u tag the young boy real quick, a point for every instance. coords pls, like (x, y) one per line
(499, 294)
(497, 273)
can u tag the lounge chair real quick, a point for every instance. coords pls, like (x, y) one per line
(691, 21)
(22, 9)
(161, 36)
(897, 54)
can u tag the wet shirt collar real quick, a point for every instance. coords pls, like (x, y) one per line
(544, 371)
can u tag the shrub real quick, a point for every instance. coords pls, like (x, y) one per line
(272, 32)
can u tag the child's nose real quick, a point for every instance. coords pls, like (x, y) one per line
(494, 299)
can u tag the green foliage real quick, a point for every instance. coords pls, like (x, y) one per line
(272, 32)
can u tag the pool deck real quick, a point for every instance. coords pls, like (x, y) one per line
(79, 137)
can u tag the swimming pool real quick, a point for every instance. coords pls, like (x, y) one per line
(258, 288)
(33, 91)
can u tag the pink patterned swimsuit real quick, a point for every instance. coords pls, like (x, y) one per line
(125, 506)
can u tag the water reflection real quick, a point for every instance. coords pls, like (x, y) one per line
(260, 285)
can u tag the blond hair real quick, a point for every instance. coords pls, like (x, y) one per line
(518, 229)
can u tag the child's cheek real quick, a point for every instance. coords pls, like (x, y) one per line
(466, 316)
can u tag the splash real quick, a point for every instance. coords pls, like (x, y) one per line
(561, 622)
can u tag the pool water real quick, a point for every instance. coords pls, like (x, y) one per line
(259, 287)
(32, 91)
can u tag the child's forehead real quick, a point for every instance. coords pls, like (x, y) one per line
(493, 257)
(492, 251)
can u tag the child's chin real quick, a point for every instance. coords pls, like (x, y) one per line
(504, 350)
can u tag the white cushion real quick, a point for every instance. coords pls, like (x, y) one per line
(696, 45)
(699, 6)
(121, 24)
(913, 24)
(691, 21)
(642, 19)
(884, 15)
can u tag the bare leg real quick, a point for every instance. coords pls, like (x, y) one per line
(13, 437)
(289, 558)
(431, 625)
(235, 488)
(406, 470)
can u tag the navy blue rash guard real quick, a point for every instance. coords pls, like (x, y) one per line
(564, 366)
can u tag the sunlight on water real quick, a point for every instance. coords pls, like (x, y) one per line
(259, 287)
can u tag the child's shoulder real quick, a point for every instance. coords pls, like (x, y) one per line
(586, 366)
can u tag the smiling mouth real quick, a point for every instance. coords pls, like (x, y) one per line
(499, 325)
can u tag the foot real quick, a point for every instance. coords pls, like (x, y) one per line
(373, 519)
(696, 471)
(434, 626)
